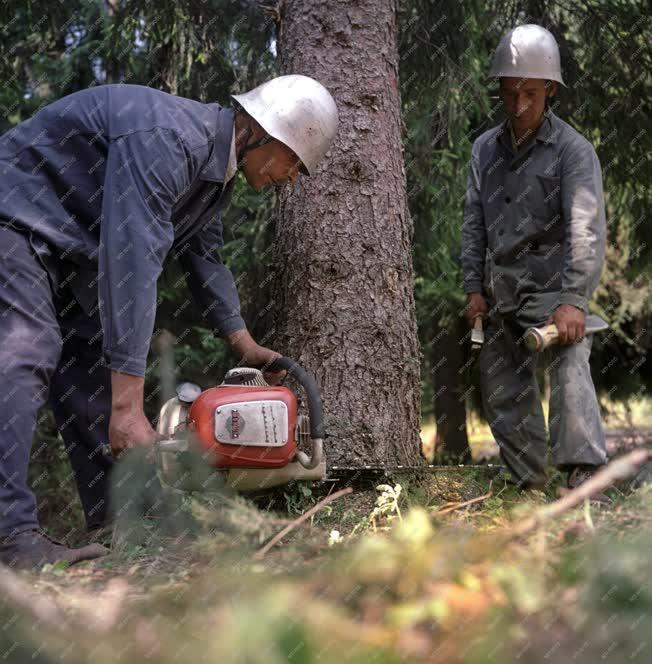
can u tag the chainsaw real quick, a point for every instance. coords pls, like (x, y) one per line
(246, 435)
(246, 432)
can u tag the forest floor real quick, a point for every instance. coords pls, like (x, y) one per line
(406, 569)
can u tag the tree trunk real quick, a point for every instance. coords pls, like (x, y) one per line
(449, 402)
(344, 289)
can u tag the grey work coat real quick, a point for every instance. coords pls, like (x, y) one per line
(536, 217)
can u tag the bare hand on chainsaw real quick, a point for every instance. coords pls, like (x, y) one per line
(128, 426)
(130, 429)
(570, 322)
(254, 355)
(476, 306)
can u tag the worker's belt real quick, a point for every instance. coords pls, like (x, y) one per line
(523, 250)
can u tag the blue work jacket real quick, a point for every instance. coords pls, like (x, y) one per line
(110, 180)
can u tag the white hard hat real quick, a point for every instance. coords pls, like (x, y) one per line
(297, 111)
(528, 51)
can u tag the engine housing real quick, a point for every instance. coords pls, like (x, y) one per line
(242, 426)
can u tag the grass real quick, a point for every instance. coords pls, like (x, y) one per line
(397, 583)
(373, 577)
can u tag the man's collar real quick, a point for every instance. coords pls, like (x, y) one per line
(214, 169)
(232, 165)
(549, 129)
(547, 132)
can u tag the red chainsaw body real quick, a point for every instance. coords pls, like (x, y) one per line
(245, 426)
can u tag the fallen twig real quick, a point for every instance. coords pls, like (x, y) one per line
(618, 469)
(450, 507)
(297, 522)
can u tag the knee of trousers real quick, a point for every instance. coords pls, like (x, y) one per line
(25, 373)
(501, 392)
(570, 369)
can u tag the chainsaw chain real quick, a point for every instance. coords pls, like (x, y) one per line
(335, 471)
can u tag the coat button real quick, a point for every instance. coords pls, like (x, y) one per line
(508, 199)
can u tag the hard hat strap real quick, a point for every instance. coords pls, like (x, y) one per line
(256, 144)
(248, 131)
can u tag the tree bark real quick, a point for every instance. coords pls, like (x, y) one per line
(449, 403)
(344, 286)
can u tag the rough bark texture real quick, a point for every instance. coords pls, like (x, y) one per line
(447, 362)
(344, 290)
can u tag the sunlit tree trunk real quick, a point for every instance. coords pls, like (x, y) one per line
(447, 363)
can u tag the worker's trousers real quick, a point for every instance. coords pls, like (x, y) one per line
(512, 403)
(49, 348)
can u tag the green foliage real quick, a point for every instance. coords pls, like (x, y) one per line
(454, 588)
(52, 480)
(298, 498)
(443, 58)
(206, 50)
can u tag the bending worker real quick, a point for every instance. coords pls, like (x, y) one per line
(534, 217)
(97, 190)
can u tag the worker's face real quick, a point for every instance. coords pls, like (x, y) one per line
(271, 164)
(525, 99)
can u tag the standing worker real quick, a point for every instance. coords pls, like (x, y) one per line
(97, 189)
(534, 213)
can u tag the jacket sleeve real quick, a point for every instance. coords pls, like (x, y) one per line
(586, 229)
(209, 280)
(145, 173)
(474, 233)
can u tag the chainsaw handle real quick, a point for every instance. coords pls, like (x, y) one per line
(309, 384)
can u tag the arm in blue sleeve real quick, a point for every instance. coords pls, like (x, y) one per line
(474, 233)
(145, 173)
(209, 280)
(586, 228)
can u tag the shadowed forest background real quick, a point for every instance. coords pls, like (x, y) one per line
(208, 50)
(492, 587)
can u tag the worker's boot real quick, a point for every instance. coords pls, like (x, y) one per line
(102, 535)
(580, 474)
(538, 483)
(534, 485)
(33, 548)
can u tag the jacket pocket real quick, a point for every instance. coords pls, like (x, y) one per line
(544, 201)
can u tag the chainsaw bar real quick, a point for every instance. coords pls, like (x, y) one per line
(337, 472)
